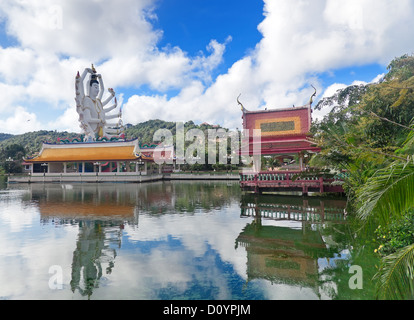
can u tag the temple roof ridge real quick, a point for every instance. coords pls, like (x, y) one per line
(306, 106)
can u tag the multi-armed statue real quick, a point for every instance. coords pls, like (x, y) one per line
(92, 114)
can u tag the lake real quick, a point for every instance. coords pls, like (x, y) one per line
(176, 240)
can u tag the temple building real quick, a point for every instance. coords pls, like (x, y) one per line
(84, 157)
(94, 161)
(284, 132)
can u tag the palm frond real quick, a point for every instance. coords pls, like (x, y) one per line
(388, 193)
(396, 275)
(408, 145)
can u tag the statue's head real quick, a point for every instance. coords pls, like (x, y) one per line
(93, 86)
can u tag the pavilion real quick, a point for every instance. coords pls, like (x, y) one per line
(95, 161)
(284, 133)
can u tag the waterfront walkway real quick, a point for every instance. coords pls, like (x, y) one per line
(265, 181)
(99, 177)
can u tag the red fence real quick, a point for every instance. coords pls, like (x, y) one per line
(288, 181)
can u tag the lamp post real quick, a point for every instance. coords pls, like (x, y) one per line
(8, 162)
(44, 165)
(139, 163)
(97, 164)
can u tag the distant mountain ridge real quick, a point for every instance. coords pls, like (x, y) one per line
(5, 136)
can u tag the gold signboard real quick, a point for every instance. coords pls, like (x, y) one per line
(279, 126)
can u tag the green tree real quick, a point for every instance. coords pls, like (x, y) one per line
(12, 157)
(370, 134)
(388, 196)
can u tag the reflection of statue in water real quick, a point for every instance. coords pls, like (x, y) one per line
(92, 115)
(90, 253)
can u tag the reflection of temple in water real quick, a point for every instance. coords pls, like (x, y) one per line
(100, 211)
(310, 209)
(96, 246)
(282, 243)
(85, 201)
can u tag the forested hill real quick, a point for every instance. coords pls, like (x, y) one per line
(4, 136)
(145, 130)
(32, 141)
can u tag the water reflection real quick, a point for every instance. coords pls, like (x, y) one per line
(300, 242)
(72, 203)
(102, 211)
(293, 208)
(176, 240)
(92, 249)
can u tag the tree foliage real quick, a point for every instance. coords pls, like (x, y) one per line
(370, 134)
(368, 125)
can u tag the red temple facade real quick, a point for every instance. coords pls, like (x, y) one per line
(283, 132)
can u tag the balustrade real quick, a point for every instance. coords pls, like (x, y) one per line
(289, 179)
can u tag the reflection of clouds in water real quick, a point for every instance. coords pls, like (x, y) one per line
(166, 270)
(199, 239)
(286, 292)
(165, 267)
(16, 215)
(218, 230)
(175, 254)
(27, 251)
(28, 260)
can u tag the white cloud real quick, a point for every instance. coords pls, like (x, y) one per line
(299, 40)
(16, 65)
(93, 29)
(332, 89)
(57, 40)
(20, 122)
(378, 78)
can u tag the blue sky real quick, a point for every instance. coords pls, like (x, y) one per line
(192, 24)
(181, 60)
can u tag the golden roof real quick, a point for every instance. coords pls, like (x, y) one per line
(95, 151)
(66, 209)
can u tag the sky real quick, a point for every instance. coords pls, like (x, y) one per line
(181, 60)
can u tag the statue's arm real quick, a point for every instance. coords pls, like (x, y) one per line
(80, 85)
(84, 73)
(80, 92)
(94, 120)
(101, 87)
(113, 116)
(112, 92)
(111, 107)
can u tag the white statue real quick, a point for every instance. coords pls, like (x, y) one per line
(92, 114)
